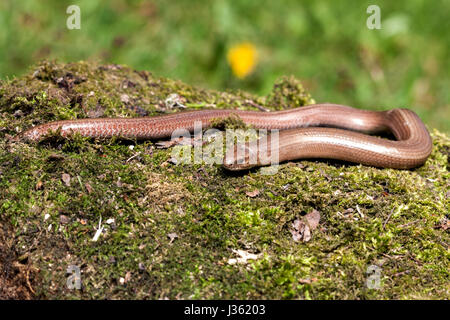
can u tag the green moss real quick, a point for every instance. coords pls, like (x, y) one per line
(176, 226)
(231, 122)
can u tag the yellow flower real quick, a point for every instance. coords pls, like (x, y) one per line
(242, 59)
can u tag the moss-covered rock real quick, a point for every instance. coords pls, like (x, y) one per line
(172, 231)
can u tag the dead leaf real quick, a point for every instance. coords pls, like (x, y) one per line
(64, 219)
(307, 281)
(172, 236)
(302, 228)
(253, 193)
(125, 98)
(244, 256)
(88, 187)
(127, 276)
(444, 224)
(313, 219)
(174, 101)
(66, 179)
(39, 185)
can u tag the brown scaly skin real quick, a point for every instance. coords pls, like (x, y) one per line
(315, 131)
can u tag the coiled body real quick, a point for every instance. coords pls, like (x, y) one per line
(316, 131)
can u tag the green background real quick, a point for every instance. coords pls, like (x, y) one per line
(326, 44)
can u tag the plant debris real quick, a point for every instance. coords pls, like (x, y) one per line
(243, 257)
(302, 228)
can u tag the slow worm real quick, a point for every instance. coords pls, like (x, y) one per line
(316, 131)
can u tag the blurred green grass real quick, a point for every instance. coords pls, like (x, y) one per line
(326, 44)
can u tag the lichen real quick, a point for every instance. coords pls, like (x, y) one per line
(175, 227)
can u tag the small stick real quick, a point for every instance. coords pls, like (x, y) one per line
(387, 219)
(132, 157)
(409, 223)
(401, 273)
(253, 104)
